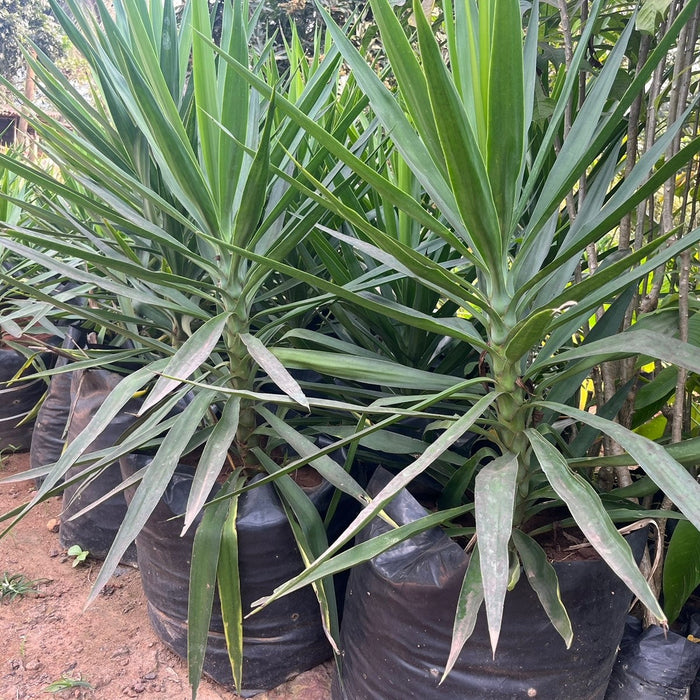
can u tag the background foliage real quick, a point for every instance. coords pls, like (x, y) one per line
(22, 20)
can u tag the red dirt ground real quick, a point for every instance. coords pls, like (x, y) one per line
(111, 645)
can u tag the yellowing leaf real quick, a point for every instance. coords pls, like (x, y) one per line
(654, 428)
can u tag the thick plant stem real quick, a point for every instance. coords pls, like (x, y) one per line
(511, 425)
(242, 372)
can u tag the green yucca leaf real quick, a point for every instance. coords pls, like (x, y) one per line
(468, 173)
(154, 482)
(203, 570)
(213, 460)
(543, 579)
(440, 445)
(589, 513)
(410, 77)
(505, 109)
(471, 596)
(494, 500)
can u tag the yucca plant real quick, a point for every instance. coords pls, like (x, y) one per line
(459, 107)
(27, 332)
(378, 344)
(171, 169)
(15, 194)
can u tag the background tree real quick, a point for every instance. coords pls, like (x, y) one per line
(277, 17)
(22, 20)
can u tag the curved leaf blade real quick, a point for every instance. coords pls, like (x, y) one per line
(590, 515)
(275, 369)
(191, 354)
(471, 596)
(494, 501)
(367, 550)
(543, 579)
(212, 460)
(153, 485)
(668, 474)
(364, 369)
(376, 506)
(204, 563)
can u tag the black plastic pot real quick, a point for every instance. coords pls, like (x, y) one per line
(281, 641)
(95, 530)
(654, 664)
(399, 611)
(17, 400)
(49, 436)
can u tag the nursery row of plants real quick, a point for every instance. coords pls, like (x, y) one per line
(413, 302)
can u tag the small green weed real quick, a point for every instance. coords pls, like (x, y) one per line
(65, 682)
(79, 554)
(17, 586)
(6, 452)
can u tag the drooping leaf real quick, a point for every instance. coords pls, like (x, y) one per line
(686, 453)
(203, 567)
(229, 580)
(494, 501)
(189, 357)
(376, 506)
(543, 579)
(152, 486)
(669, 475)
(590, 515)
(274, 368)
(365, 551)
(471, 596)
(326, 467)
(634, 342)
(213, 459)
(310, 534)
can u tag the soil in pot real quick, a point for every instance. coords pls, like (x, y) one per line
(279, 642)
(399, 611)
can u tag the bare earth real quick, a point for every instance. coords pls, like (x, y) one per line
(111, 646)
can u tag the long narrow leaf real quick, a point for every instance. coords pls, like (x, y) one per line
(471, 596)
(505, 111)
(590, 515)
(194, 351)
(465, 162)
(494, 500)
(326, 467)
(152, 486)
(204, 563)
(440, 445)
(361, 369)
(275, 369)
(229, 579)
(543, 579)
(669, 475)
(213, 459)
(310, 534)
(635, 342)
(366, 550)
